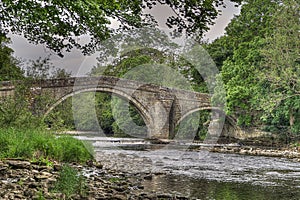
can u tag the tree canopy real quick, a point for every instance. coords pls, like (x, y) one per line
(280, 70)
(238, 57)
(259, 61)
(58, 24)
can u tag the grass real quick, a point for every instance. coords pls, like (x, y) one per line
(70, 182)
(41, 144)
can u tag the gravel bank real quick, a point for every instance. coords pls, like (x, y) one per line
(21, 179)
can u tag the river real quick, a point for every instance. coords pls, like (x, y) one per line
(201, 174)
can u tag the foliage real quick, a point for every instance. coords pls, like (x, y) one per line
(61, 117)
(115, 179)
(259, 57)
(70, 182)
(58, 24)
(15, 110)
(9, 69)
(13, 69)
(220, 50)
(60, 73)
(127, 120)
(242, 84)
(25, 107)
(38, 69)
(40, 195)
(127, 62)
(238, 55)
(163, 68)
(252, 22)
(194, 126)
(148, 41)
(104, 112)
(42, 68)
(218, 99)
(38, 143)
(23, 134)
(84, 114)
(70, 149)
(280, 70)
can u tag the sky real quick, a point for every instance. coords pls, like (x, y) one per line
(80, 65)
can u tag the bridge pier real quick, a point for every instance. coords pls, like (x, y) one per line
(160, 117)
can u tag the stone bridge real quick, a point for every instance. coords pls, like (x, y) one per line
(161, 108)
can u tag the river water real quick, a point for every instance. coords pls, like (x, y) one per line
(175, 170)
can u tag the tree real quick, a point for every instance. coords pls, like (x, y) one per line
(58, 24)
(238, 56)
(259, 59)
(9, 69)
(42, 68)
(280, 71)
(220, 50)
(241, 83)
(252, 22)
(38, 69)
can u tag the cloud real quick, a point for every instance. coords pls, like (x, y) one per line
(72, 61)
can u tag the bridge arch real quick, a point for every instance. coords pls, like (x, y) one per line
(217, 109)
(217, 129)
(140, 108)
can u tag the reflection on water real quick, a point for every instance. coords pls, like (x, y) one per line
(203, 175)
(205, 189)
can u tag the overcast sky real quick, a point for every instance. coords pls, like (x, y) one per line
(79, 65)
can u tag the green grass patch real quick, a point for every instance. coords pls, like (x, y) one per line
(70, 182)
(41, 144)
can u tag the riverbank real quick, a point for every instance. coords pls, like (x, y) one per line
(22, 179)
